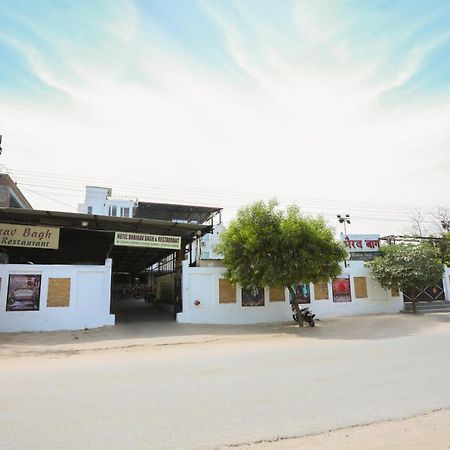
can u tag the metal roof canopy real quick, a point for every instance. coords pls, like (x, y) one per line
(89, 239)
(175, 212)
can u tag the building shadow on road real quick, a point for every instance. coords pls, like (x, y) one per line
(152, 326)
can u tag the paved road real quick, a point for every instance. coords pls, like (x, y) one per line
(235, 390)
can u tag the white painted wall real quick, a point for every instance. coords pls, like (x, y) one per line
(202, 284)
(90, 290)
(447, 283)
(378, 300)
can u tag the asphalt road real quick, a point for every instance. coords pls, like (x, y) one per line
(240, 390)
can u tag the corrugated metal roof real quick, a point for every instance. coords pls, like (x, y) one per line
(100, 223)
(175, 212)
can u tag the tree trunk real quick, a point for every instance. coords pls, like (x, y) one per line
(413, 301)
(296, 307)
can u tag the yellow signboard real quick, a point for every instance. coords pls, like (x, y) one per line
(12, 235)
(147, 240)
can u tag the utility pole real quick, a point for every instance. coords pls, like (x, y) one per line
(1, 144)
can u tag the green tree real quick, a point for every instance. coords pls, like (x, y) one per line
(408, 267)
(443, 246)
(266, 246)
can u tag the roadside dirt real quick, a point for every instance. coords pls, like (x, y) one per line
(144, 335)
(427, 432)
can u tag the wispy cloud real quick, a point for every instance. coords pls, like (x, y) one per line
(308, 98)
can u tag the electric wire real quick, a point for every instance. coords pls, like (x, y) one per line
(230, 200)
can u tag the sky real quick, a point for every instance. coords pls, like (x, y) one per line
(339, 106)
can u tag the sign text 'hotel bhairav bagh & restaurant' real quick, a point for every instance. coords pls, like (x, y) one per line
(147, 240)
(12, 235)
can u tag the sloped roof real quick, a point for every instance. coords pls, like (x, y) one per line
(175, 212)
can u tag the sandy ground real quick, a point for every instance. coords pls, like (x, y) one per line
(143, 327)
(265, 386)
(427, 432)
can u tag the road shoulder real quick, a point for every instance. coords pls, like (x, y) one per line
(430, 431)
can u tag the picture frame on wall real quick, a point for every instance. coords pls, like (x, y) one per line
(341, 289)
(302, 293)
(24, 292)
(253, 297)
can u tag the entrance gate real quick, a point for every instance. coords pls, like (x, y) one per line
(429, 294)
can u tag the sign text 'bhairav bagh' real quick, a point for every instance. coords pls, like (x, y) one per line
(147, 240)
(12, 235)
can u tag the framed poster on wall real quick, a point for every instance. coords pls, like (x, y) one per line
(302, 292)
(253, 297)
(341, 289)
(24, 291)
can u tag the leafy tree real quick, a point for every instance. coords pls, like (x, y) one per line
(266, 246)
(443, 246)
(408, 267)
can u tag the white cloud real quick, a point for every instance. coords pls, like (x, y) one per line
(286, 128)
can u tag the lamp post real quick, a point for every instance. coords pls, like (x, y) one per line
(345, 219)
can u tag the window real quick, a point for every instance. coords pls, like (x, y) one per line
(89, 209)
(277, 294)
(125, 212)
(113, 210)
(360, 287)
(227, 292)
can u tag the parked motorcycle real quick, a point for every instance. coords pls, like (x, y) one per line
(307, 315)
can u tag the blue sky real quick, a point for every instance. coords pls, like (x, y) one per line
(330, 100)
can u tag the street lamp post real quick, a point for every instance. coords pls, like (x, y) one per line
(345, 219)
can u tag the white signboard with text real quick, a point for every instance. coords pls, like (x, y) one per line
(147, 240)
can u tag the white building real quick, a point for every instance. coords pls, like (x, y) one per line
(209, 242)
(99, 201)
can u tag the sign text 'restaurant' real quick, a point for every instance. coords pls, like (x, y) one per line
(12, 235)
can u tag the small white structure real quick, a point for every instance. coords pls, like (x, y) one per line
(99, 200)
(208, 243)
(209, 298)
(70, 297)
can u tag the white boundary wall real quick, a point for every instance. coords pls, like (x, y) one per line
(447, 283)
(202, 284)
(90, 295)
